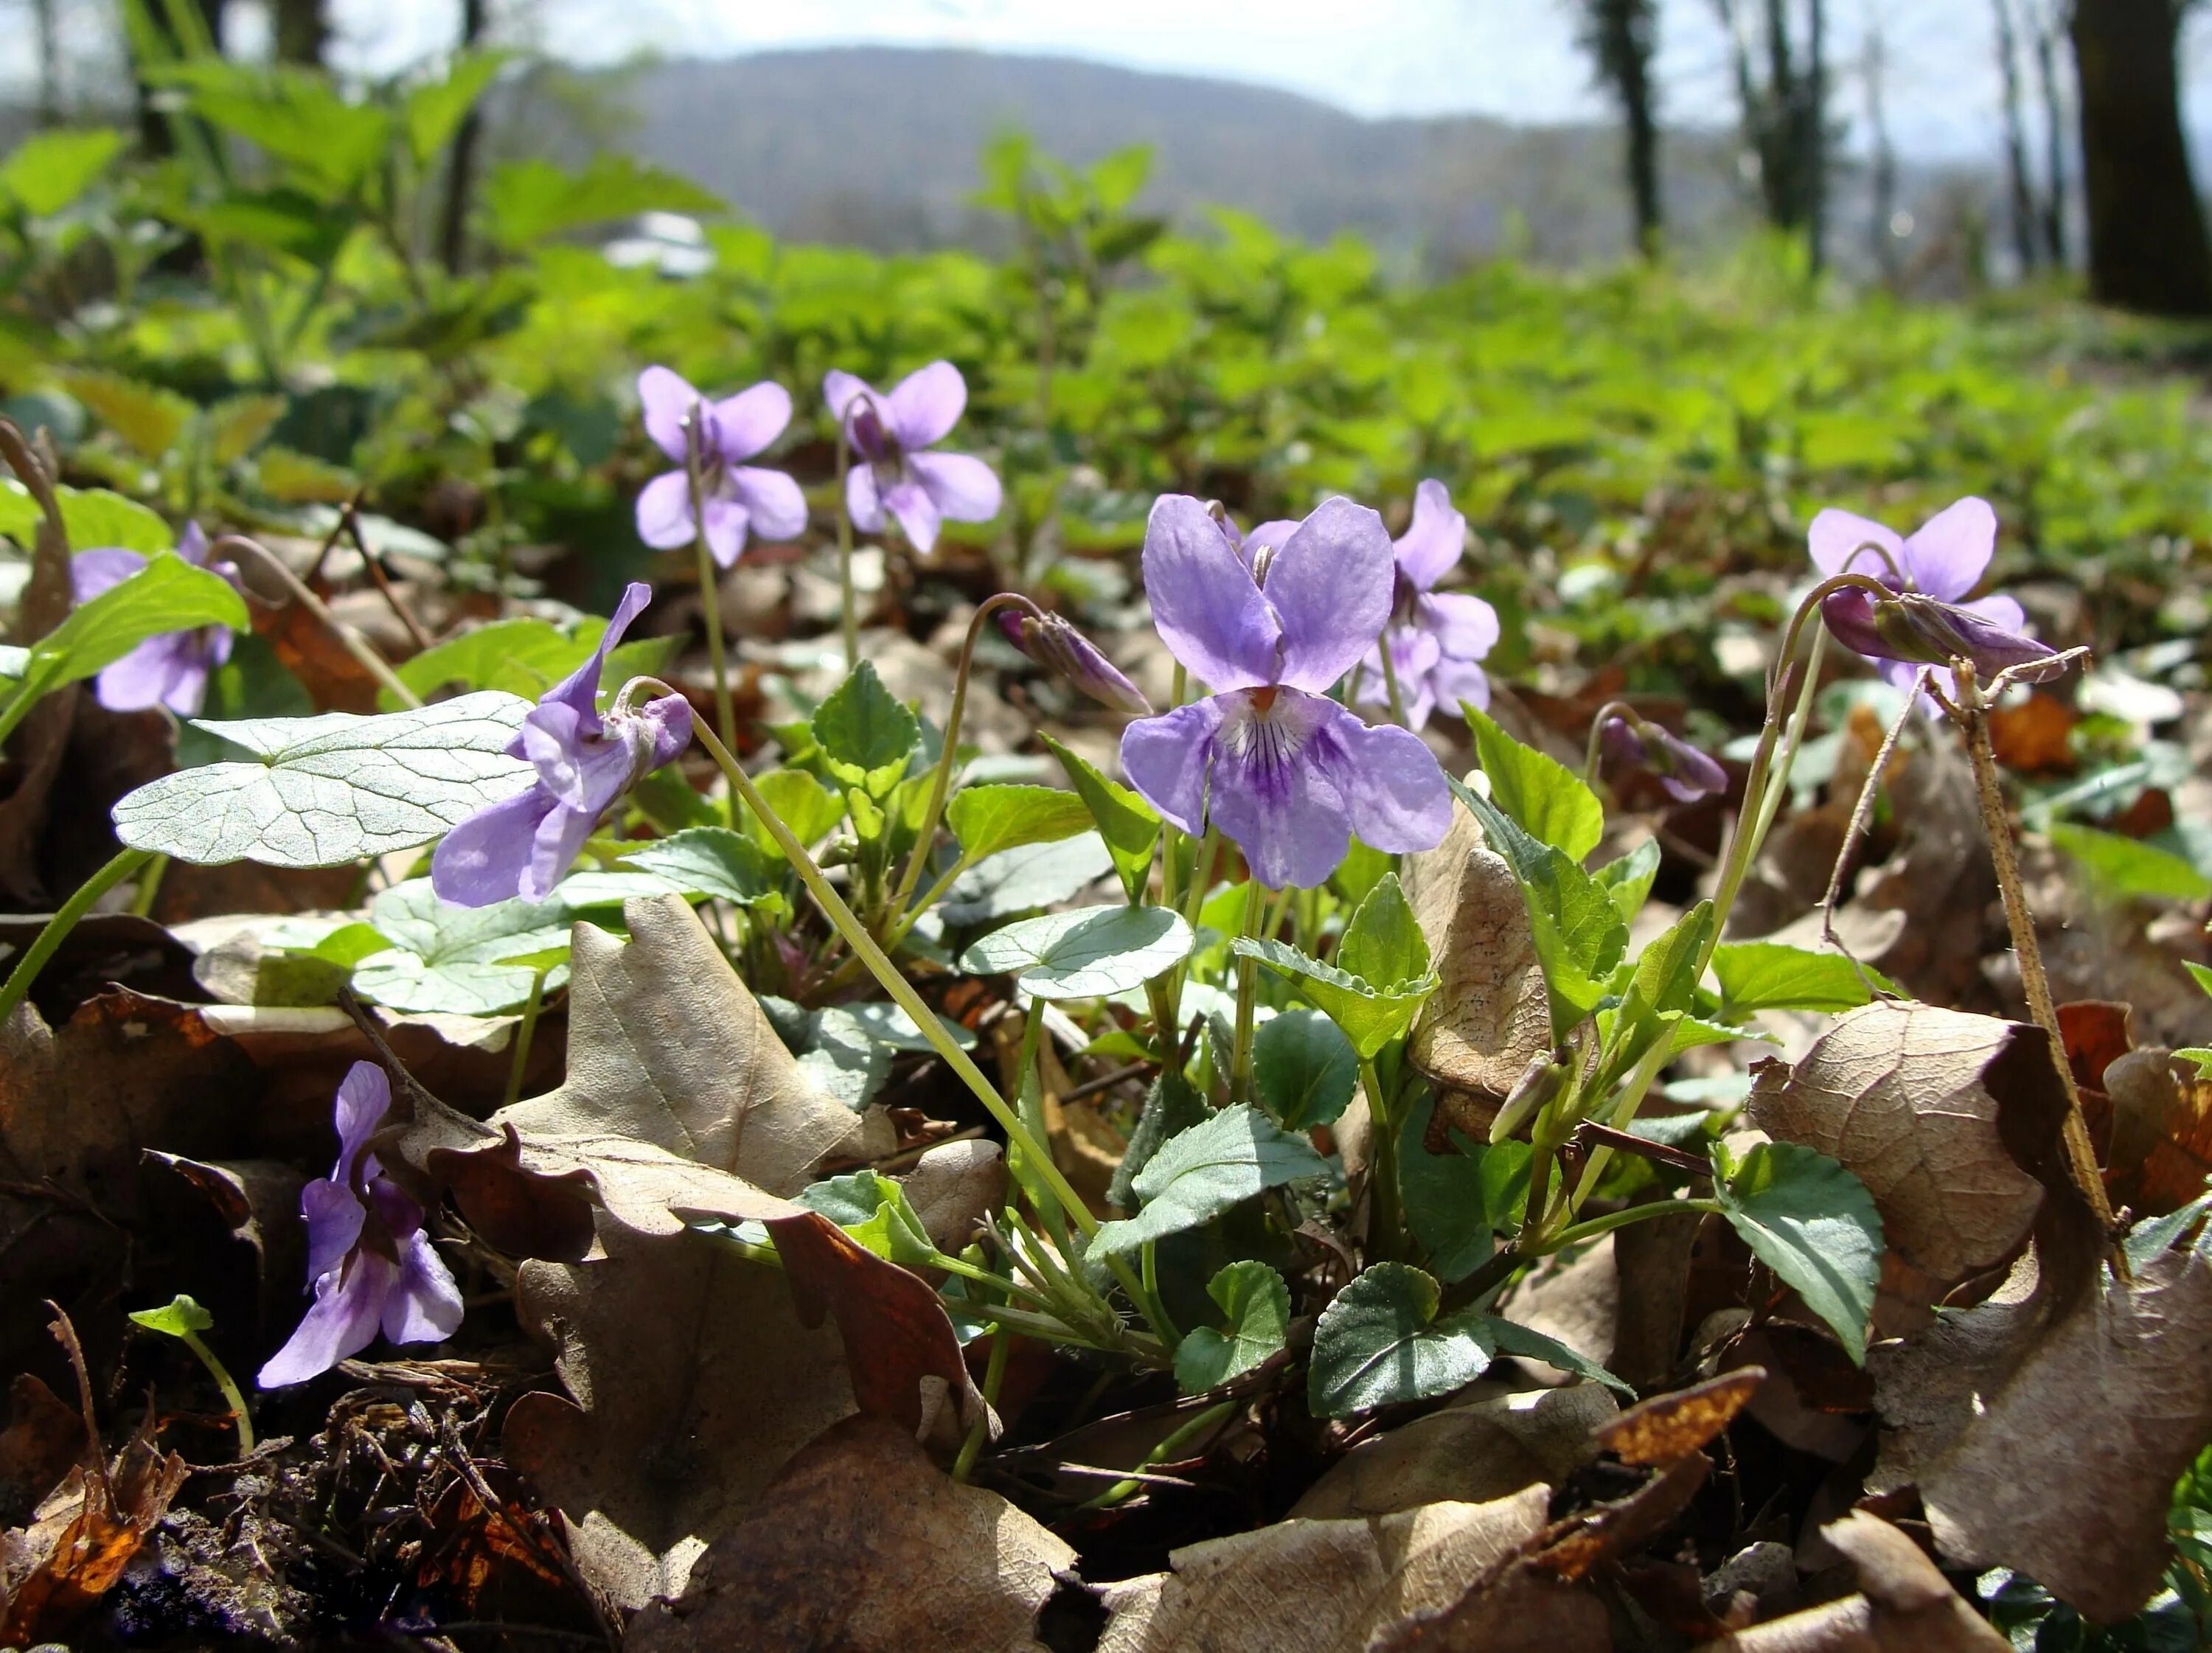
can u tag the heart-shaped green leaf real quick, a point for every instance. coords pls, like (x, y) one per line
(990, 819)
(1202, 1172)
(1379, 1343)
(1088, 953)
(1256, 1308)
(1813, 1223)
(1304, 1068)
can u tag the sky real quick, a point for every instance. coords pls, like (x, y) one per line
(1515, 58)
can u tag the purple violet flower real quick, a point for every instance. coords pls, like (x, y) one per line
(585, 762)
(1930, 623)
(171, 670)
(1687, 773)
(894, 474)
(1284, 772)
(1054, 644)
(740, 498)
(1435, 638)
(370, 1263)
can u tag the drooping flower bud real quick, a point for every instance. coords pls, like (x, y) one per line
(1061, 648)
(1919, 630)
(1687, 773)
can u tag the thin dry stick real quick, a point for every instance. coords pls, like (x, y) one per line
(1860, 811)
(352, 642)
(415, 634)
(1971, 711)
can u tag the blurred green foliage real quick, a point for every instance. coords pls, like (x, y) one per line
(256, 325)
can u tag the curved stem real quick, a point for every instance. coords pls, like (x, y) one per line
(1611, 707)
(894, 982)
(228, 1385)
(710, 587)
(1390, 684)
(1627, 1214)
(1385, 1227)
(351, 641)
(994, 1374)
(1175, 1441)
(941, 783)
(852, 615)
(1248, 979)
(531, 1007)
(20, 979)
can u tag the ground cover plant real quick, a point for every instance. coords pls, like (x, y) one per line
(1158, 946)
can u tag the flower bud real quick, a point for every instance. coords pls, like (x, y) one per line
(1687, 773)
(1061, 648)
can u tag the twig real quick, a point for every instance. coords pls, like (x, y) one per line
(456, 1452)
(351, 522)
(1860, 811)
(363, 651)
(1105, 1082)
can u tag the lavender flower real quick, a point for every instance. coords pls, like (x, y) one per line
(1435, 638)
(1928, 623)
(369, 1259)
(171, 670)
(889, 433)
(1059, 646)
(1284, 772)
(585, 762)
(1687, 773)
(740, 498)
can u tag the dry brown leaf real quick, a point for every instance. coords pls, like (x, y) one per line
(42, 739)
(1491, 1016)
(1472, 1452)
(953, 1186)
(2045, 1427)
(680, 1101)
(862, 1545)
(694, 1380)
(1905, 1605)
(2161, 1135)
(2034, 737)
(44, 1437)
(1906, 1096)
(1320, 1586)
(1671, 1426)
(2096, 1034)
(896, 1330)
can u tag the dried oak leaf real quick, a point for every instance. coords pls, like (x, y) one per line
(680, 1101)
(1904, 1605)
(1471, 1453)
(862, 1545)
(1668, 1427)
(2162, 1131)
(1490, 1015)
(1321, 1586)
(2045, 1427)
(896, 1330)
(693, 1379)
(1907, 1097)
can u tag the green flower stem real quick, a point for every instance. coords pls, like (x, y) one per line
(224, 1382)
(710, 587)
(941, 783)
(1169, 836)
(363, 651)
(1596, 1226)
(20, 979)
(1385, 1226)
(1256, 898)
(1164, 1452)
(1390, 684)
(142, 899)
(530, 1006)
(852, 615)
(1633, 1092)
(1151, 1274)
(894, 983)
(1760, 802)
(994, 1374)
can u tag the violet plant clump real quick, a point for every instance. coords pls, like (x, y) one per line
(585, 760)
(171, 670)
(899, 476)
(1285, 772)
(1437, 640)
(740, 500)
(371, 1265)
(1930, 621)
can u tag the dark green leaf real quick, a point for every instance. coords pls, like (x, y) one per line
(1129, 825)
(1455, 1203)
(1200, 1173)
(1383, 945)
(1088, 953)
(1256, 1307)
(1530, 1345)
(1305, 1069)
(1546, 799)
(1813, 1223)
(713, 861)
(866, 735)
(1370, 1018)
(1379, 1343)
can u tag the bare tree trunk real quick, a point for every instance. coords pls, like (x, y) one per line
(468, 138)
(1621, 36)
(2147, 243)
(2045, 23)
(48, 28)
(1813, 134)
(303, 32)
(2023, 213)
(1883, 238)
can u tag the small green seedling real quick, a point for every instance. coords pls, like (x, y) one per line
(184, 1320)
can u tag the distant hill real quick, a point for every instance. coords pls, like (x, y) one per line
(878, 147)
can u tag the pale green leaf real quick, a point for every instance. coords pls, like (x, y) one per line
(1198, 1174)
(1088, 953)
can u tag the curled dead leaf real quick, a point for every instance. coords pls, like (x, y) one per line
(861, 1544)
(1490, 1015)
(1668, 1427)
(1904, 1605)
(1906, 1096)
(1320, 1586)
